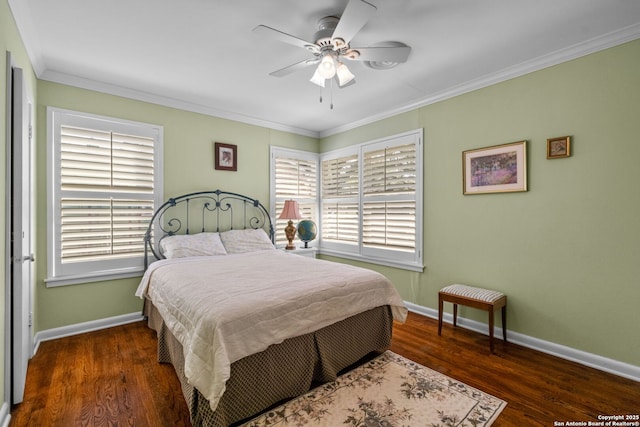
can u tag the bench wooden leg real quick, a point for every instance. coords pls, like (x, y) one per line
(491, 329)
(455, 314)
(440, 307)
(504, 323)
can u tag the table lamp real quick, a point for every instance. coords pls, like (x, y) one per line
(290, 211)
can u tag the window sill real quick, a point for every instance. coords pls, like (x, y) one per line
(101, 276)
(404, 265)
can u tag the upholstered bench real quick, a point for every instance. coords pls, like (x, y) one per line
(483, 299)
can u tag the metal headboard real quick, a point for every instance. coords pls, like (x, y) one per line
(204, 211)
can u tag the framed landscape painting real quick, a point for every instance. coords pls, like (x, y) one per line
(496, 169)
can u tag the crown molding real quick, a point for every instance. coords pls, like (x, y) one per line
(578, 50)
(21, 13)
(83, 83)
(20, 9)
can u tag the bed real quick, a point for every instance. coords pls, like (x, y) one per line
(244, 324)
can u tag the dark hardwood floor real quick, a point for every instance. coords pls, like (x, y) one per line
(539, 389)
(111, 378)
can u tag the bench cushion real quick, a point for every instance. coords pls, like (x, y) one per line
(480, 294)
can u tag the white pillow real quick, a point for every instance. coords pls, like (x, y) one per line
(187, 245)
(249, 240)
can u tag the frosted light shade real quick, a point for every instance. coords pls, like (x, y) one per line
(343, 73)
(327, 67)
(317, 79)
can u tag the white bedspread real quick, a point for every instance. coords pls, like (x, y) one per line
(224, 308)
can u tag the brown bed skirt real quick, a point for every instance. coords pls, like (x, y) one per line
(281, 372)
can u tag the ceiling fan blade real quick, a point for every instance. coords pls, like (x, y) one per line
(263, 30)
(355, 15)
(294, 67)
(382, 54)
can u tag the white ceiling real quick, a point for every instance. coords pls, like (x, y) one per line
(201, 55)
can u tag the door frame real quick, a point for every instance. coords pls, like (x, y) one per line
(8, 313)
(18, 322)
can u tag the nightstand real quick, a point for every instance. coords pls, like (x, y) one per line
(308, 252)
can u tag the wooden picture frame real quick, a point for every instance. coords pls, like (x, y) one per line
(495, 169)
(559, 148)
(226, 156)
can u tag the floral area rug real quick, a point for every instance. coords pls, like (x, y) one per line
(388, 391)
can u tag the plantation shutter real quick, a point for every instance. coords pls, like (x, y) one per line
(340, 209)
(295, 179)
(340, 177)
(390, 170)
(104, 180)
(107, 193)
(370, 198)
(389, 198)
(340, 222)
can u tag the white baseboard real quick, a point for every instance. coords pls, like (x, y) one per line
(605, 364)
(81, 328)
(5, 415)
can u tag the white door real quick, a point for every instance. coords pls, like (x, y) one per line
(21, 252)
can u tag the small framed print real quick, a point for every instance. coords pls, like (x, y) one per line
(496, 169)
(558, 148)
(226, 156)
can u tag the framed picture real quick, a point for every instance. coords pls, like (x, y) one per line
(558, 148)
(226, 157)
(496, 169)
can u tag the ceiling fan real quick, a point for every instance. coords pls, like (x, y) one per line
(331, 46)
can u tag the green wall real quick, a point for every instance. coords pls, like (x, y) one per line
(188, 166)
(567, 252)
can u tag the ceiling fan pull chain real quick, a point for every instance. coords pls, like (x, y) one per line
(331, 93)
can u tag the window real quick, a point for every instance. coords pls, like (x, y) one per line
(294, 175)
(370, 199)
(389, 199)
(340, 227)
(104, 184)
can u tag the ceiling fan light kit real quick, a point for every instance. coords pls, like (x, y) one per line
(332, 45)
(327, 67)
(343, 74)
(317, 79)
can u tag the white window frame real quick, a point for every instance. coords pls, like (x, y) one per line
(281, 152)
(332, 245)
(90, 271)
(413, 261)
(393, 258)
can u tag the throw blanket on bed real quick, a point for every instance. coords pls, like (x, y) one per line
(224, 308)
